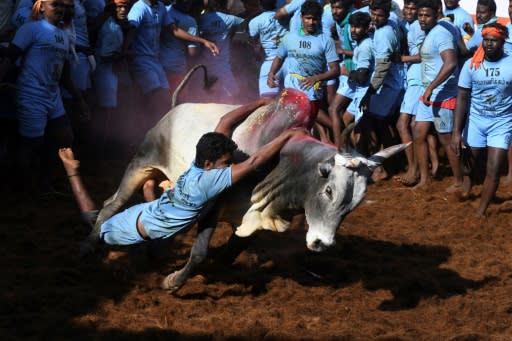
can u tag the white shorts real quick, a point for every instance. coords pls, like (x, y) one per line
(411, 99)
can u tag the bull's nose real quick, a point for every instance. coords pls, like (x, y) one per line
(317, 245)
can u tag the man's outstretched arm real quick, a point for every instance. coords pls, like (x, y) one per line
(232, 119)
(264, 154)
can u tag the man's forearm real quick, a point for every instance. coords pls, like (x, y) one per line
(382, 67)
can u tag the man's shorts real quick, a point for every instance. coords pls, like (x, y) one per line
(33, 112)
(353, 108)
(484, 131)
(384, 103)
(121, 228)
(149, 74)
(411, 99)
(346, 88)
(81, 72)
(442, 118)
(265, 90)
(105, 84)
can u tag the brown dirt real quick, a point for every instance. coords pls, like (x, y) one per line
(408, 265)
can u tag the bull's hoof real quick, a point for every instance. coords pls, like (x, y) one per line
(169, 283)
(245, 230)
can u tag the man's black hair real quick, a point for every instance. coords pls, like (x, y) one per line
(429, 4)
(311, 7)
(360, 19)
(410, 1)
(212, 146)
(344, 3)
(268, 5)
(491, 4)
(384, 5)
(217, 5)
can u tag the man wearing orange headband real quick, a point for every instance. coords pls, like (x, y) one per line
(486, 80)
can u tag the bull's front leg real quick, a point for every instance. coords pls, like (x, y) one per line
(197, 255)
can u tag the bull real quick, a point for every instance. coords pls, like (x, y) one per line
(309, 176)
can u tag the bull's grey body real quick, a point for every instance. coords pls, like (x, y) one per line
(306, 178)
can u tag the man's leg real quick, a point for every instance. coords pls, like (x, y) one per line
(495, 158)
(404, 130)
(508, 179)
(458, 180)
(420, 150)
(337, 106)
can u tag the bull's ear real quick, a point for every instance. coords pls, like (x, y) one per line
(324, 168)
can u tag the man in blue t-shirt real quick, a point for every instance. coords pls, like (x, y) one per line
(439, 79)
(187, 203)
(487, 84)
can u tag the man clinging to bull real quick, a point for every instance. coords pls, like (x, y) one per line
(189, 201)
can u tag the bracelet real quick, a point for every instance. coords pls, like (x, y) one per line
(72, 175)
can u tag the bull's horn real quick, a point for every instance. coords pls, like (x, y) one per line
(345, 135)
(208, 82)
(376, 159)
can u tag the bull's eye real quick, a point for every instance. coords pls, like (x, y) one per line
(328, 192)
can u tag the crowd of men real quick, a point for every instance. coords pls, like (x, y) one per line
(424, 73)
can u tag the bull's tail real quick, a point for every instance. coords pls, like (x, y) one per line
(208, 82)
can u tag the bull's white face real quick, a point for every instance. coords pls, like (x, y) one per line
(340, 189)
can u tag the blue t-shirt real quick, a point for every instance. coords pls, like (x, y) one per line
(460, 18)
(21, 16)
(173, 51)
(415, 37)
(364, 57)
(45, 49)
(217, 27)
(93, 8)
(437, 41)
(386, 44)
(508, 43)
(148, 21)
(491, 87)
(269, 31)
(110, 38)
(306, 55)
(181, 207)
(80, 24)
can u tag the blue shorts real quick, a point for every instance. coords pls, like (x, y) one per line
(353, 108)
(265, 90)
(346, 88)
(33, 112)
(384, 103)
(149, 74)
(81, 72)
(105, 86)
(121, 228)
(442, 118)
(411, 99)
(484, 131)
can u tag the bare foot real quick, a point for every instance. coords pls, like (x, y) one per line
(455, 188)
(507, 181)
(379, 174)
(423, 184)
(407, 179)
(67, 157)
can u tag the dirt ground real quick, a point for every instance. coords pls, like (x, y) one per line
(408, 265)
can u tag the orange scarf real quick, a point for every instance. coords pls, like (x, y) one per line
(479, 55)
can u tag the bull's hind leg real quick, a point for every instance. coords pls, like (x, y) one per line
(133, 179)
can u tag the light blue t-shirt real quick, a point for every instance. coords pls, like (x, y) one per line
(148, 21)
(21, 16)
(386, 44)
(364, 57)
(173, 51)
(306, 55)
(460, 17)
(491, 87)
(217, 27)
(181, 207)
(508, 43)
(269, 31)
(45, 49)
(415, 37)
(437, 41)
(110, 38)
